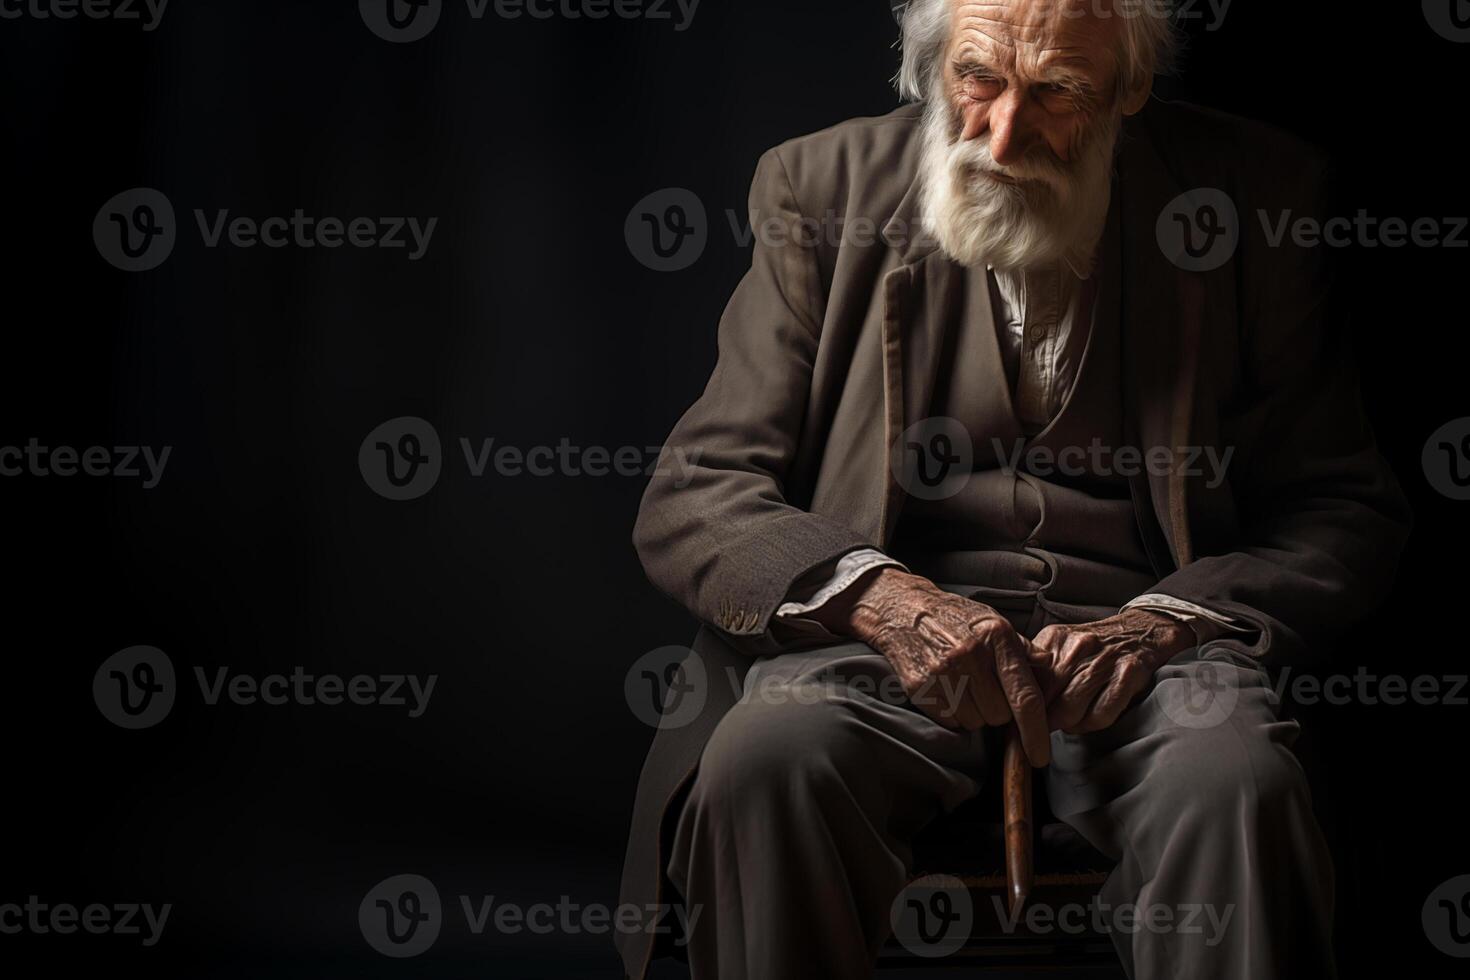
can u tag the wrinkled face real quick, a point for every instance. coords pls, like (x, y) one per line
(1019, 131)
(1031, 76)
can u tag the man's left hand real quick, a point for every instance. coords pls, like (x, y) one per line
(1090, 673)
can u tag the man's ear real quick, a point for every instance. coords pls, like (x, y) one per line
(1138, 98)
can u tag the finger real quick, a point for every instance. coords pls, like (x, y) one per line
(1128, 681)
(1072, 705)
(983, 684)
(949, 698)
(936, 699)
(1028, 706)
(913, 662)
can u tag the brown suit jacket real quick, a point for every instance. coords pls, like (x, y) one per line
(829, 350)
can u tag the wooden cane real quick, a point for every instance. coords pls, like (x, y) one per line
(1016, 793)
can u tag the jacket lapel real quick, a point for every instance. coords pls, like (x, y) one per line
(924, 298)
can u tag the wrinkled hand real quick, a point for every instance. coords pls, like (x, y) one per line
(960, 661)
(1090, 673)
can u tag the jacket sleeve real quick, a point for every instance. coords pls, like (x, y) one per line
(717, 533)
(1322, 519)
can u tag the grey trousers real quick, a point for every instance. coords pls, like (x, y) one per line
(795, 838)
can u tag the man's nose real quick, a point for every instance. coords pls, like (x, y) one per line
(1012, 131)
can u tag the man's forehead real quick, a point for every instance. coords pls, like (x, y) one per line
(1081, 27)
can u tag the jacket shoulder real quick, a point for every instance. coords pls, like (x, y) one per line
(859, 166)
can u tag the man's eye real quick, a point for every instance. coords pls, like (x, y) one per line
(1061, 97)
(981, 87)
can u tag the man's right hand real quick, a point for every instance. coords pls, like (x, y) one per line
(960, 661)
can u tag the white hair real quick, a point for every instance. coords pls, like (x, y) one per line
(1148, 46)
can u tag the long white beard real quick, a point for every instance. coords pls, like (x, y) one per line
(1057, 213)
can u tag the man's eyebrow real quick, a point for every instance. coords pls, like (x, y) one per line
(1066, 78)
(972, 66)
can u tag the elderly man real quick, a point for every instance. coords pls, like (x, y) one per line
(875, 502)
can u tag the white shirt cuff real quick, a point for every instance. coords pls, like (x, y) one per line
(850, 567)
(1206, 623)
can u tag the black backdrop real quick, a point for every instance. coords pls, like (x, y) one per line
(528, 320)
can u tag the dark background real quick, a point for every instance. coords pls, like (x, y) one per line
(528, 321)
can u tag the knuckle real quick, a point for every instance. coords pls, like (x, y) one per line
(986, 631)
(1050, 633)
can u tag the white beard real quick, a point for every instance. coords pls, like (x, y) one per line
(1057, 213)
